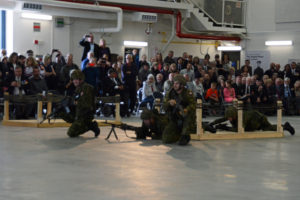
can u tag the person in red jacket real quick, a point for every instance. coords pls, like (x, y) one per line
(212, 96)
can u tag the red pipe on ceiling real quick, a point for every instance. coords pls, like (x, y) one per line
(168, 12)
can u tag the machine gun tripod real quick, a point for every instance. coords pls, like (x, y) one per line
(122, 126)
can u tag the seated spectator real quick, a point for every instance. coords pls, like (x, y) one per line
(148, 90)
(169, 83)
(196, 62)
(206, 81)
(189, 71)
(270, 91)
(287, 99)
(29, 65)
(279, 88)
(143, 73)
(180, 65)
(247, 65)
(17, 84)
(271, 70)
(212, 94)
(165, 71)
(198, 87)
(112, 84)
(228, 92)
(37, 84)
(173, 68)
(277, 70)
(12, 63)
(297, 96)
(65, 78)
(159, 83)
(159, 61)
(59, 61)
(261, 97)
(154, 69)
(189, 84)
(169, 58)
(143, 62)
(239, 88)
(245, 72)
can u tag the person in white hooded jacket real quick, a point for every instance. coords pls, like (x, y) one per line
(148, 90)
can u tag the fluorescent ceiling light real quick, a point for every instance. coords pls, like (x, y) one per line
(229, 48)
(135, 43)
(279, 43)
(36, 16)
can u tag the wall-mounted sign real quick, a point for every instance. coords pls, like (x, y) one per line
(36, 27)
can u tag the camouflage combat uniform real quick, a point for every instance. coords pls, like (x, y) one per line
(158, 123)
(83, 115)
(252, 120)
(179, 123)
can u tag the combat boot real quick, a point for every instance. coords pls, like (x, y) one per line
(95, 129)
(184, 140)
(287, 126)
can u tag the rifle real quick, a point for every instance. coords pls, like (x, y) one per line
(62, 106)
(122, 126)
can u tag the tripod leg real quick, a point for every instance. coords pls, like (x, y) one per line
(110, 132)
(115, 134)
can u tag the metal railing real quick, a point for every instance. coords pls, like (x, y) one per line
(223, 12)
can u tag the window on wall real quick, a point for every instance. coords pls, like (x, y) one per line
(3, 29)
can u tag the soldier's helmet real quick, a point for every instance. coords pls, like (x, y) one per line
(180, 78)
(77, 74)
(146, 114)
(231, 112)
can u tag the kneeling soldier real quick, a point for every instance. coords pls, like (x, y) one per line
(83, 115)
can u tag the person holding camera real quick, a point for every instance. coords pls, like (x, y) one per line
(89, 46)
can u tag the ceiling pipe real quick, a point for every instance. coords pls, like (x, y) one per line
(92, 7)
(178, 21)
(202, 37)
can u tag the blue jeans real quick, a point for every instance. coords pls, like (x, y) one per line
(149, 99)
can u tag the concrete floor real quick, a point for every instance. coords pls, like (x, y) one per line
(44, 164)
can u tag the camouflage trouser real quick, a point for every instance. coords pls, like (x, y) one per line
(261, 123)
(79, 126)
(173, 132)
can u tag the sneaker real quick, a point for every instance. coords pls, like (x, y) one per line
(287, 126)
(95, 129)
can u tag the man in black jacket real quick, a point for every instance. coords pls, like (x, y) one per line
(88, 43)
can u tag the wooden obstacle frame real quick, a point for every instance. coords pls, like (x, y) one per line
(241, 133)
(48, 100)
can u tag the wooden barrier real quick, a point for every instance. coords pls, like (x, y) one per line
(56, 122)
(241, 133)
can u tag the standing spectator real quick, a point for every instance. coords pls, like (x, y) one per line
(185, 58)
(50, 74)
(295, 72)
(297, 96)
(180, 64)
(277, 70)
(129, 73)
(135, 57)
(103, 49)
(89, 46)
(12, 63)
(196, 62)
(59, 61)
(169, 58)
(259, 72)
(271, 70)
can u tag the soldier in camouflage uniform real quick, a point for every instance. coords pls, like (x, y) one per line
(153, 125)
(252, 120)
(83, 115)
(180, 107)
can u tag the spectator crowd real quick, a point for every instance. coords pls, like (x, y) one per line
(139, 81)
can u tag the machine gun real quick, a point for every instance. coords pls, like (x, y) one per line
(122, 126)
